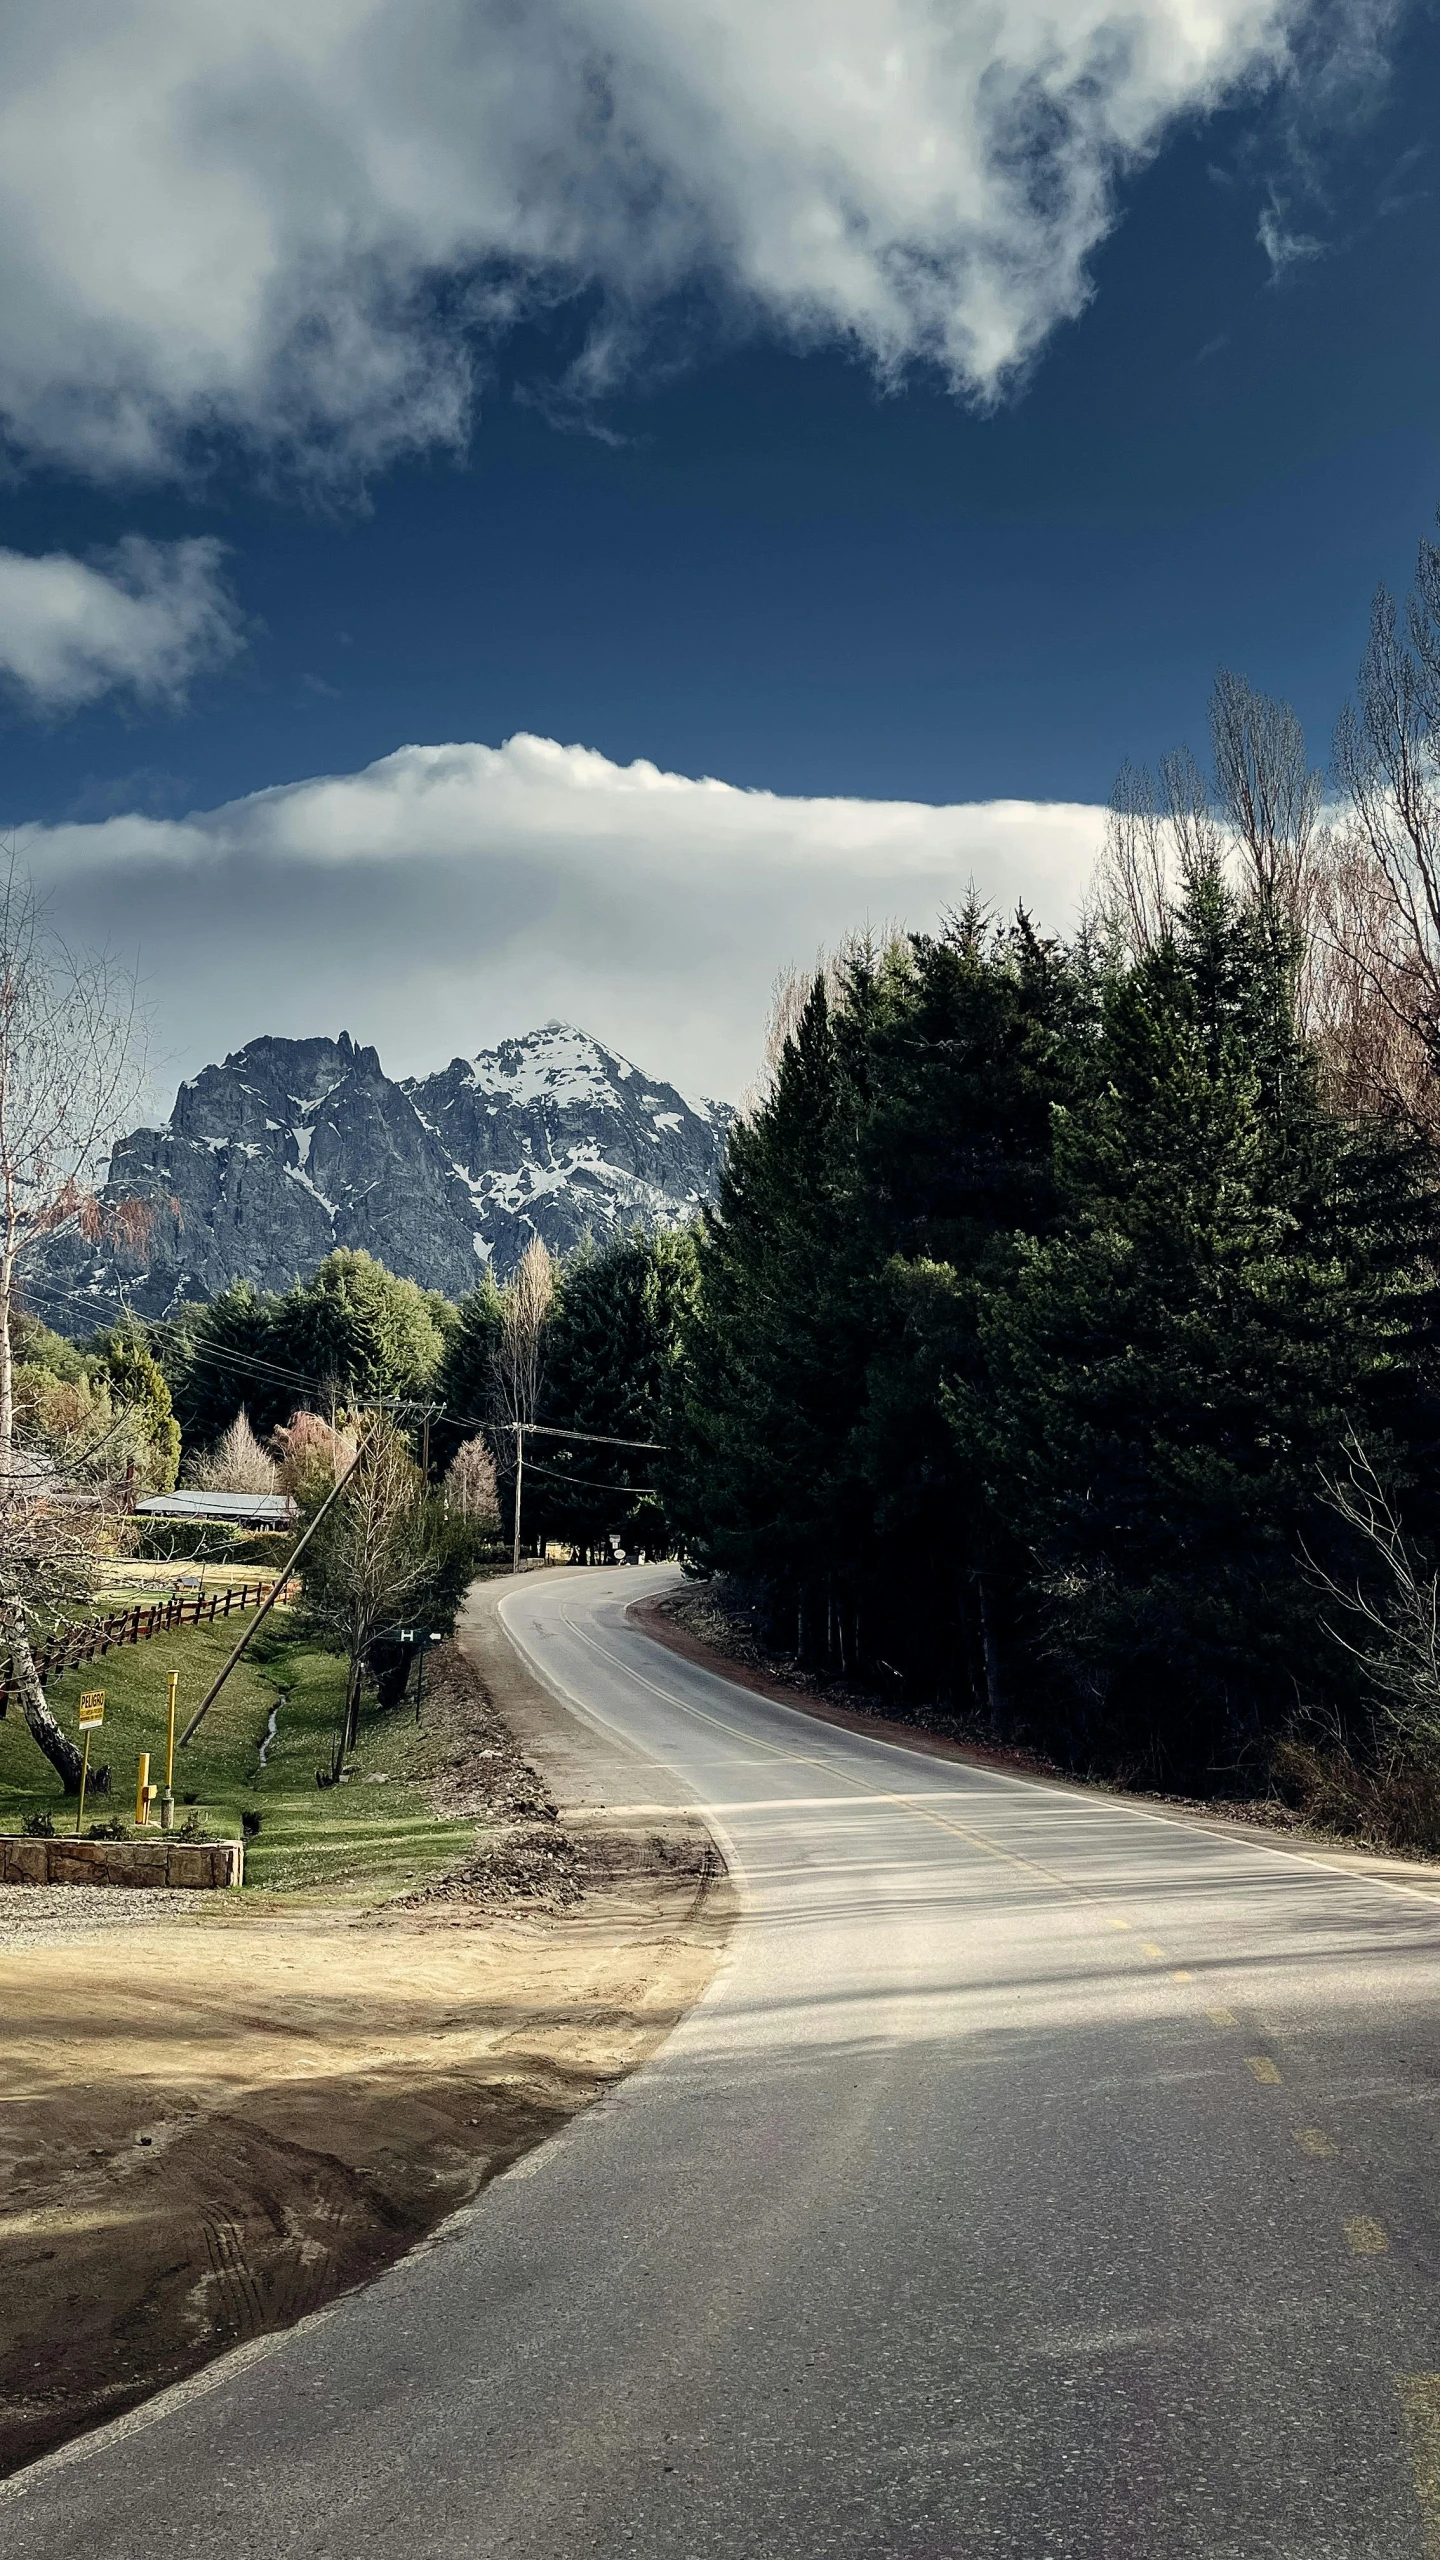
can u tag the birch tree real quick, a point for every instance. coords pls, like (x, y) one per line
(518, 1360)
(68, 1080)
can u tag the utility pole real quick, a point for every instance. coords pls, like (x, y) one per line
(268, 1603)
(519, 1481)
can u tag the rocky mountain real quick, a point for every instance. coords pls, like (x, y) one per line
(295, 1146)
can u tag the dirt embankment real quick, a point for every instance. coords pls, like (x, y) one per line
(218, 2117)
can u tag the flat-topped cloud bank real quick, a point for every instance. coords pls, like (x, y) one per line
(449, 894)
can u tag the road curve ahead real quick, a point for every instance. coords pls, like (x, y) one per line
(1041, 2179)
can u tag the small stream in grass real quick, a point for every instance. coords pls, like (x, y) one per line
(270, 1728)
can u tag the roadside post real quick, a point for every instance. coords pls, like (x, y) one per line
(145, 1794)
(423, 1637)
(167, 1792)
(92, 1712)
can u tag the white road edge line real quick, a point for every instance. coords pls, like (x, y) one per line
(1056, 1787)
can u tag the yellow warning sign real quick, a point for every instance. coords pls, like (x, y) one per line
(92, 1708)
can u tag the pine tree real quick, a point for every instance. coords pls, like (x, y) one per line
(223, 1356)
(358, 1331)
(614, 1344)
(1164, 1377)
(777, 1355)
(137, 1383)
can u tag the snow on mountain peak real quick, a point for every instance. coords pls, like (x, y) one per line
(291, 1147)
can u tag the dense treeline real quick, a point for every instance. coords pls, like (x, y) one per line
(1061, 1351)
(1040, 1292)
(1065, 1345)
(355, 1338)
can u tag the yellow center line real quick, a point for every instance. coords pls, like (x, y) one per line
(1318, 2144)
(1365, 2237)
(1222, 2018)
(1420, 2408)
(818, 1760)
(1263, 2068)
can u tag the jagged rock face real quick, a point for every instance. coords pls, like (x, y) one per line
(295, 1146)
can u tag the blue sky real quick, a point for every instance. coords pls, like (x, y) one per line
(751, 555)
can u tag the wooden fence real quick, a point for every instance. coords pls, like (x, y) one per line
(67, 1651)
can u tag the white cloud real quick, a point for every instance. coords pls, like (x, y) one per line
(1283, 247)
(293, 218)
(143, 621)
(448, 896)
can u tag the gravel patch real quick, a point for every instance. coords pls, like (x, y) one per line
(39, 1915)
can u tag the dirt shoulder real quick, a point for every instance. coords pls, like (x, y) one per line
(695, 1623)
(218, 2116)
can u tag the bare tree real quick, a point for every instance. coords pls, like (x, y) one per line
(470, 1484)
(369, 1559)
(312, 1453)
(68, 1077)
(1387, 758)
(1396, 1630)
(518, 1361)
(1135, 883)
(51, 1546)
(1268, 795)
(1161, 836)
(237, 1463)
(56, 1526)
(1364, 996)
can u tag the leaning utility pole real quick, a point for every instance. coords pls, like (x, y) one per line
(296, 1552)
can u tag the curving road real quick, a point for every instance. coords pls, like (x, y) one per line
(1041, 2179)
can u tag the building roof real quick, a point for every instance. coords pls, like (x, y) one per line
(255, 1510)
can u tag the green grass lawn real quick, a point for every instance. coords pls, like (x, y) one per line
(355, 1842)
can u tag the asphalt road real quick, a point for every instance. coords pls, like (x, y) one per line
(1041, 2179)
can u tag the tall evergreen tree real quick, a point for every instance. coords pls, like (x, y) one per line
(137, 1383)
(614, 1344)
(777, 1356)
(360, 1332)
(907, 1136)
(222, 1356)
(1234, 1280)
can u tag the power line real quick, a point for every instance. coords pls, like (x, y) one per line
(275, 1373)
(553, 1431)
(587, 1483)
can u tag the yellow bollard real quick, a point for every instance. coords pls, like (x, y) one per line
(167, 1796)
(142, 1789)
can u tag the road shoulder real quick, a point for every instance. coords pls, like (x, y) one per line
(650, 1618)
(216, 2121)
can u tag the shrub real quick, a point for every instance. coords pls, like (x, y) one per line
(186, 1541)
(313, 1455)
(236, 1464)
(1394, 1806)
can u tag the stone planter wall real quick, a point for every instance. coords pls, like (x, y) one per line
(197, 1864)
